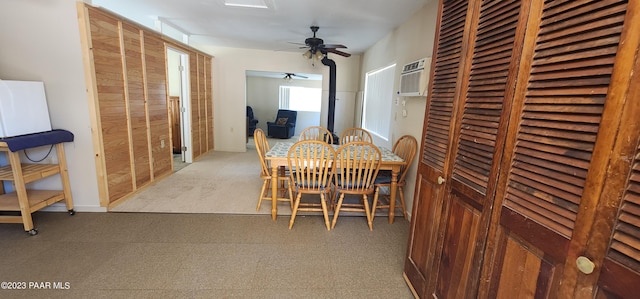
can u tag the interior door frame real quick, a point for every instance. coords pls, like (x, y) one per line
(185, 105)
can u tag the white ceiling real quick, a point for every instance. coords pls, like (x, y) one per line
(357, 24)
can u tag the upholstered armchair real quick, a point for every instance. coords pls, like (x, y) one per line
(251, 121)
(284, 126)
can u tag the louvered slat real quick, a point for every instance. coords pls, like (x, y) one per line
(544, 215)
(569, 80)
(487, 87)
(625, 247)
(442, 94)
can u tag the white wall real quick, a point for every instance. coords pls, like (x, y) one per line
(40, 41)
(173, 73)
(229, 87)
(409, 42)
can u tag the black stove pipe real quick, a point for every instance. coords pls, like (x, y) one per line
(332, 95)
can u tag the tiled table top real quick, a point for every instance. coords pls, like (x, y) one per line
(280, 150)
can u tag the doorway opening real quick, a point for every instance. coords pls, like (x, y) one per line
(179, 104)
(264, 96)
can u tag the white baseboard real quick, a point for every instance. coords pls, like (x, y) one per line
(61, 207)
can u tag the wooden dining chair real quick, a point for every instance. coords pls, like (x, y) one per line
(405, 148)
(355, 134)
(262, 147)
(316, 133)
(310, 170)
(357, 165)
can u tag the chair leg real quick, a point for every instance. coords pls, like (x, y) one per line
(323, 202)
(336, 197)
(262, 190)
(295, 210)
(291, 195)
(366, 211)
(336, 211)
(375, 203)
(281, 173)
(404, 208)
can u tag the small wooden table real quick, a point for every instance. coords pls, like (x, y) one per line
(278, 157)
(28, 201)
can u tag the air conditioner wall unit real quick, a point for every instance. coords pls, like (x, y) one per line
(414, 78)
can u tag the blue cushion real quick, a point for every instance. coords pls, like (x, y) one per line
(383, 179)
(21, 142)
(349, 186)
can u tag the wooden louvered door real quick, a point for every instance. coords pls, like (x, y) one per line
(422, 247)
(530, 158)
(458, 175)
(620, 274)
(618, 210)
(553, 162)
(479, 135)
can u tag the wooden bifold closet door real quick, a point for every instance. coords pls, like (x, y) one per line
(523, 111)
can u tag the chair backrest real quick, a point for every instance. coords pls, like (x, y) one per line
(316, 133)
(250, 112)
(262, 147)
(355, 134)
(357, 165)
(290, 115)
(405, 148)
(310, 165)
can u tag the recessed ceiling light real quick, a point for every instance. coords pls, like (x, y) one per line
(247, 3)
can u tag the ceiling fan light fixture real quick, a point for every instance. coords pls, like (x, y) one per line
(307, 54)
(318, 50)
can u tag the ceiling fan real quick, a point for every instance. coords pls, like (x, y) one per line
(289, 76)
(318, 47)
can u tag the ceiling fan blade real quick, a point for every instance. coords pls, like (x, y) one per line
(334, 51)
(334, 46)
(300, 76)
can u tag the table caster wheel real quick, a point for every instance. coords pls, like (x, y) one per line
(33, 232)
(72, 212)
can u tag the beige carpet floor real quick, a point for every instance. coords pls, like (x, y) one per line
(219, 182)
(156, 255)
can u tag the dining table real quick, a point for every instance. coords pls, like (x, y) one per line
(277, 157)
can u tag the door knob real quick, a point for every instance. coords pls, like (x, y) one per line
(440, 180)
(585, 265)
